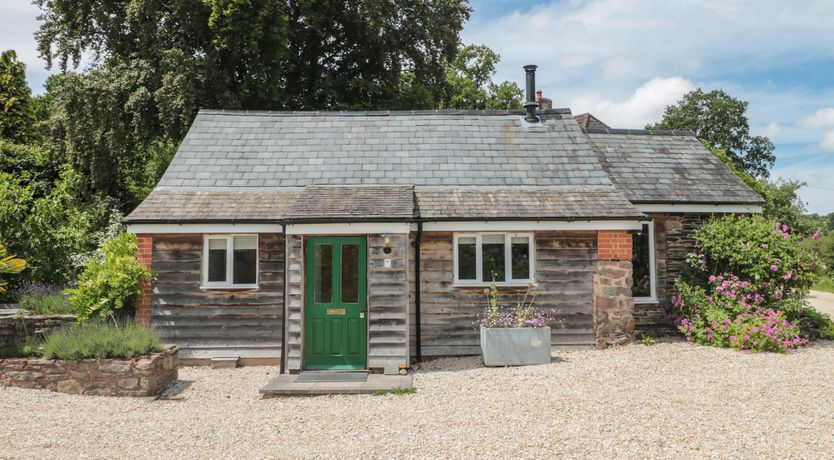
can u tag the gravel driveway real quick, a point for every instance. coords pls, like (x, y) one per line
(666, 400)
(822, 301)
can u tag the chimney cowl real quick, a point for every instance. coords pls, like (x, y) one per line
(530, 101)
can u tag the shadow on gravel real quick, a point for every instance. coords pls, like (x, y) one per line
(173, 393)
(461, 363)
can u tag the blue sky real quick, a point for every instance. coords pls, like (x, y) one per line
(624, 61)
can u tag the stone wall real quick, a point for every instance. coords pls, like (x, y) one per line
(142, 376)
(613, 304)
(14, 327)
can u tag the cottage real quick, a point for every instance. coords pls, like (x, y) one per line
(363, 240)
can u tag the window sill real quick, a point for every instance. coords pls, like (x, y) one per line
(645, 300)
(233, 287)
(514, 284)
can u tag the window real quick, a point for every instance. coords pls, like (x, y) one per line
(230, 261)
(644, 281)
(506, 258)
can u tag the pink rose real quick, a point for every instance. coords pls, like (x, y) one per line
(785, 228)
(778, 294)
(774, 268)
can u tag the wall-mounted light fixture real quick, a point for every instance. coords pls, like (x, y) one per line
(386, 243)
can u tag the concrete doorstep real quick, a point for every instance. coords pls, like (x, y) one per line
(286, 385)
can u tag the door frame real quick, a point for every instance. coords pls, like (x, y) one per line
(309, 244)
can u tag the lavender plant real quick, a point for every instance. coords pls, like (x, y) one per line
(523, 314)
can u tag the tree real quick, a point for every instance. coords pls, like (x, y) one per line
(16, 116)
(470, 85)
(156, 63)
(721, 121)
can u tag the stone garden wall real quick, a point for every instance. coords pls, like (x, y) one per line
(141, 376)
(14, 327)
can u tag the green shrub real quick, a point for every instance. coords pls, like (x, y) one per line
(817, 323)
(99, 340)
(647, 340)
(111, 279)
(45, 304)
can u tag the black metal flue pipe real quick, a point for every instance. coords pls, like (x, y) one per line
(530, 103)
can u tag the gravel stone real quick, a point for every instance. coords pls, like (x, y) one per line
(666, 400)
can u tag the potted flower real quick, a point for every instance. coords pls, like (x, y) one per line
(513, 336)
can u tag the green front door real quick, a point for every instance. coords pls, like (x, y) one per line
(336, 323)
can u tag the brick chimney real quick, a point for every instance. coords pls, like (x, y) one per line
(544, 103)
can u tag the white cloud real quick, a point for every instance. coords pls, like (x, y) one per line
(821, 118)
(773, 130)
(644, 105)
(827, 142)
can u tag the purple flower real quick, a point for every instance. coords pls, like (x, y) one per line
(774, 268)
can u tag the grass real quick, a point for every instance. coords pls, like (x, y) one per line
(396, 391)
(825, 284)
(44, 304)
(100, 340)
(647, 340)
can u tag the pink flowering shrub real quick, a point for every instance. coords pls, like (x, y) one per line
(746, 288)
(732, 313)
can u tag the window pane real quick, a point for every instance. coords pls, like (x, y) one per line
(350, 273)
(217, 260)
(493, 257)
(641, 275)
(521, 257)
(466, 258)
(323, 273)
(245, 267)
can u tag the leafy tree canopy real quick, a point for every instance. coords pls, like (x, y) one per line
(469, 77)
(721, 121)
(17, 118)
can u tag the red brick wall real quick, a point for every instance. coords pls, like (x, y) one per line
(614, 245)
(143, 303)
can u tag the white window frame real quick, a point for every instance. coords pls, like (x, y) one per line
(479, 281)
(652, 268)
(230, 241)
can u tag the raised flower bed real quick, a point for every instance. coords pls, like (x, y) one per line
(513, 336)
(147, 375)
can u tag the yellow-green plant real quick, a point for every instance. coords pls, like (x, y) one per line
(111, 279)
(9, 264)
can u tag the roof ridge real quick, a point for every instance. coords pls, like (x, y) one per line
(639, 132)
(379, 113)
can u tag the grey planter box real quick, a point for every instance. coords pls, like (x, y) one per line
(515, 346)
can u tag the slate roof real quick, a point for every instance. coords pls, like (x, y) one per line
(375, 203)
(667, 167)
(530, 203)
(220, 206)
(325, 166)
(234, 150)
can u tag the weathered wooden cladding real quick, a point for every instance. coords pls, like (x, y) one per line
(217, 322)
(388, 301)
(565, 266)
(295, 301)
